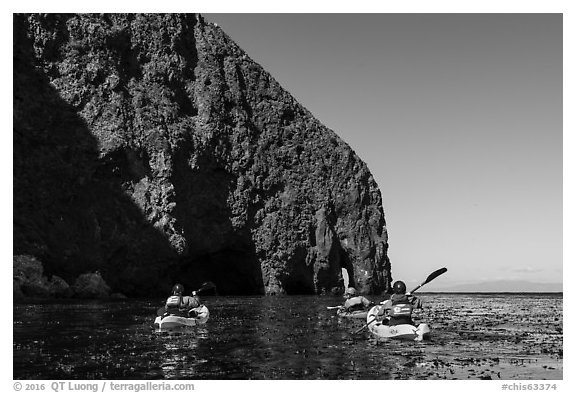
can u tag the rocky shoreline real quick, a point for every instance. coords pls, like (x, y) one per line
(30, 282)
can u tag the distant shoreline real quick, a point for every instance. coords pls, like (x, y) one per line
(489, 293)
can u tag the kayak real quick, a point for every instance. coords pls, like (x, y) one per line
(402, 332)
(352, 314)
(170, 321)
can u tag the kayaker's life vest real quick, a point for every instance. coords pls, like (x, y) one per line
(173, 303)
(401, 310)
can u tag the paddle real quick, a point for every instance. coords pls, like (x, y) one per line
(205, 286)
(333, 307)
(431, 277)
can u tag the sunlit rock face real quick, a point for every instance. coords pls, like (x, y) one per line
(153, 149)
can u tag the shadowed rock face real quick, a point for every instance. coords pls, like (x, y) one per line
(153, 149)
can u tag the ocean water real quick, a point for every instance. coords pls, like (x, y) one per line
(474, 336)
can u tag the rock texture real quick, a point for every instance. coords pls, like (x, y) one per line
(29, 280)
(152, 148)
(91, 286)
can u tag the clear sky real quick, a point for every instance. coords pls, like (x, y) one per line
(459, 118)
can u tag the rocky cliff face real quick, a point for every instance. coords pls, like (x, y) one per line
(152, 148)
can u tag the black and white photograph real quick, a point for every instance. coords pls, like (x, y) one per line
(212, 195)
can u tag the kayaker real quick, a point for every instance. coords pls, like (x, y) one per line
(400, 305)
(194, 302)
(177, 303)
(354, 302)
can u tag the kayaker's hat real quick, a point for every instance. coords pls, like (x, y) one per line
(399, 287)
(350, 291)
(178, 289)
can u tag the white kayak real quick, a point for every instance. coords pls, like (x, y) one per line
(352, 314)
(177, 321)
(402, 332)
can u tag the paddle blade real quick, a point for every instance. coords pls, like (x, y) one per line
(207, 285)
(435, 274)
(431, 277)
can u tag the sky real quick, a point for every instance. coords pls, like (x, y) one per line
(459, 118)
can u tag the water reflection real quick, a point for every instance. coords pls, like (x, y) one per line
(177, 358)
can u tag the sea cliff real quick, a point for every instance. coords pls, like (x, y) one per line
(151, 148)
